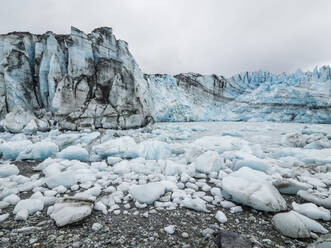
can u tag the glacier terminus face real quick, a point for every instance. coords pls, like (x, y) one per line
(71, 81)
(252, 96)
(80, 81)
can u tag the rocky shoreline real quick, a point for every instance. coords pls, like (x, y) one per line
(143, 227)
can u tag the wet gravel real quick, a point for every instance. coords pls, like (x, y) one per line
(142, 227)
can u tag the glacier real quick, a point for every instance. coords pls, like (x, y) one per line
(251, 96)
(72, 82)
(79, 81)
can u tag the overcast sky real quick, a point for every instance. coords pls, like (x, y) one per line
(205, 36)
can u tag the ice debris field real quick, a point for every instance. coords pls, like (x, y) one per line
(200, 166)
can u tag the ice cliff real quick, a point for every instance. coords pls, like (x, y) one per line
(74, 81)
(80, 80)
(255, 96)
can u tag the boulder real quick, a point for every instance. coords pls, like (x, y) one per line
(229, 239)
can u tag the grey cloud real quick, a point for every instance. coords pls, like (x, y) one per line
(212, 36)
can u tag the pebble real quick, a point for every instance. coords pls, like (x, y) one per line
(26, 229)
(152, 211)
(220, 216)
(185, 235)
(267, 241)
(4, 240)
(60, 238)
(33, 240)
(96, 227)
(236, 209)
(207, 232)
(251, 218)
(45, 222)
(76, 237)
(76, 244)
(227, 204)
(170, 229)
(51, 237)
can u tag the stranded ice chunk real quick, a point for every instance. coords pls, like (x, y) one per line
(38, 151)
(12, 199)
(312, 211)
(74, 153)
(66, 179)
(208, 162)
(147, 193)
(324, 202)
(7, 170)
(151, 150)
(220, 144)
(295, 225)
(256, 164)
(70, 211)
(10, 150)
(3, 217)
(290, 186)
(258, 194)
(196, 204)
(323, 241)
(115, 147)
(31, 205)
(220, 216)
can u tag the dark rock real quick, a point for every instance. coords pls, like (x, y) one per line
(228, 239)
